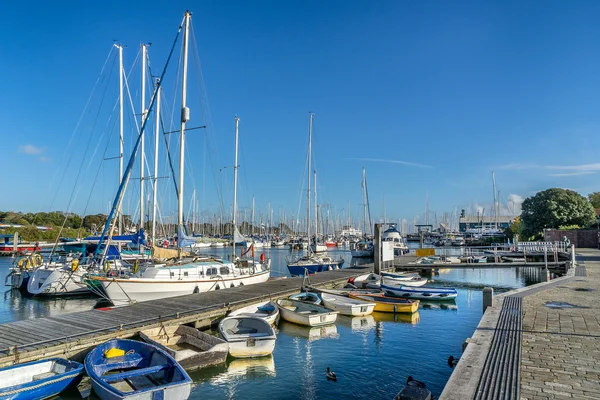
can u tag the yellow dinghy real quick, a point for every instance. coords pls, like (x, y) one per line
(385, 303)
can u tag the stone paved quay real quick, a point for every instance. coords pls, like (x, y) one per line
(560, 356)
(537, 343)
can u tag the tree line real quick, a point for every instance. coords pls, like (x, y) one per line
(555, 209)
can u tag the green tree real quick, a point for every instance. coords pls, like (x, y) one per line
(514, 228)
(553, 208)
(594, 199)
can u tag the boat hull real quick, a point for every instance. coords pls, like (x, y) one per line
(299, 269)
(248, 336)
(429, 294)
(100, 368)
(136, 290)
(289, 310)
(347, 306)
(27, 381)
(56, 282)
(388, 304)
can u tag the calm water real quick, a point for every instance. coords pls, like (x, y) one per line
(372, 356)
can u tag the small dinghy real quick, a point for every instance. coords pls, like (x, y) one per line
(385, 303)
(307, 297)
(248, 336)
(307, 314)
(266, 310)
(127, 369)
(39, 379)
(414, 390)
(191, 348)
(429, 293)
(346, 305)
(372, 280)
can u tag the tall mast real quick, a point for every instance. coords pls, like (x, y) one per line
(316, 212)
(142, 153)
(185, 116)
(252, 216)
(364, 185)
(120, 47)
(495, 209)
(308, 196)
(156, 134)
(235, 177)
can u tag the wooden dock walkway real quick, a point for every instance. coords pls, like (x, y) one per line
(73, 334)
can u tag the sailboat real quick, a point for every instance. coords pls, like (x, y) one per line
(364, 248)
(185, 276)
(311, 262)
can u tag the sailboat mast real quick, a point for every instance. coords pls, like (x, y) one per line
(316, 212)
(142, 152)
(495, 210)
(309, 169)
(185, 116)
(364, 185)
(120, 47)
(235, 178)
(252, 216)
(156, 135)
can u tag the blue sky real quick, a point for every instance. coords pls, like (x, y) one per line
(430, 97)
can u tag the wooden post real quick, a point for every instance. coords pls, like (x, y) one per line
(377, 249)
(488, 298)
(421, 239)
(573, 255)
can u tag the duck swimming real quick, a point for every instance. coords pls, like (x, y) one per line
(330, 375)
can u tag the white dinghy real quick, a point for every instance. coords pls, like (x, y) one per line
(266, 310)
(306, 314)
(347, 306)
(248, 336)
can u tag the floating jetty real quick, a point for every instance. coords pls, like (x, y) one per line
(72, 335)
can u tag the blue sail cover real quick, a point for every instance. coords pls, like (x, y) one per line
(184, 240)
(138, 238)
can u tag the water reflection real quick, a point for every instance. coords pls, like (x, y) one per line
(439, 306)
(405, 318)
(357, 324)
(315, 333)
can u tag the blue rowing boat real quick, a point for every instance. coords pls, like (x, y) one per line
(39, 379)
(421, 293)
(127, 369)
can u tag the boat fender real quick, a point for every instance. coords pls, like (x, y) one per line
(74, 265)
(262, 257)
(106, 266)
(111, 353)
(351, 281)
(136, 266)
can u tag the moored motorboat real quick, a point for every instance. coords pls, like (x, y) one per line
(266, 310)
(385, 303)
(307, 297)
(248, 336)
(306, 314)
(39, 379)
(191, 348)
(347, 306)
(423, 293)
(127, 369)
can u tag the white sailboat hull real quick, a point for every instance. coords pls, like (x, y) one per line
(56, 282)
(135, 290)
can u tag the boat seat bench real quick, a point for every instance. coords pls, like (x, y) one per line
(133, 373)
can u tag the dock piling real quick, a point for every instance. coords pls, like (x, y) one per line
(488, 298)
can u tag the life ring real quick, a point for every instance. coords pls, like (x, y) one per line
(106, 266)
(74, 265)
(24, 263)
(36, 260)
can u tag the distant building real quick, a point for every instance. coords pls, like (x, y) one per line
(349, 231)
(484, 224)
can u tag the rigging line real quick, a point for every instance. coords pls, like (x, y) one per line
(73, 191)
(73, 153)
(127, 173)
(79, 121)
(206, 113)
(100, 167)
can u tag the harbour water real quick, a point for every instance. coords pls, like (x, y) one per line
(372, 356)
